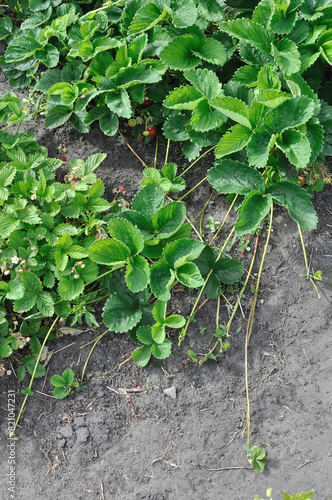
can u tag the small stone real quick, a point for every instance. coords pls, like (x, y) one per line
(61, 443)
(66, 431)
(79, 422)
(82, 434)
(171, 392)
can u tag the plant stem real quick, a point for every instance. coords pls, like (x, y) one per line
(131, 149)
(185, 328)
(33, 375)
(303, 249)
(167, 150)
(193, 189)
(236, 304)
(199, 158)
(246, 375)
(156, 154)
(204, 208)
(260, 272)
(307, 266)
(91, 351)
(223, 222)
(203, 213)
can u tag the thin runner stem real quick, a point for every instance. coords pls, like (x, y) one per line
(167, 151)
(91, 351)
(33, 377)
(197, 160)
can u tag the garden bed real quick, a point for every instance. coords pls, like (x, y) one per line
(123, 438)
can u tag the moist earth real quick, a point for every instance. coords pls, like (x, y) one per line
(123, 437)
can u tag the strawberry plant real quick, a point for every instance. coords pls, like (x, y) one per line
(55, 245)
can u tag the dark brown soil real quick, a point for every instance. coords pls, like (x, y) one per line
(124, 438)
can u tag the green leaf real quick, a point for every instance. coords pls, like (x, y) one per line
(254, 56)
(15, 290)
(138, 73)
(212, 51)
(249, 32)
(272, 98)
(233, 108)
(234, 140)
(183, 98)
(299, 496)
(121, 312)
(283, 22)
(246, 75)
(192, 355)
(228, 270)
(162, 351)
(8, 224)
(45, 304)
(119, 103)
(61, 392)
(146, 17)
(64, 243)
(142, 355)
(109, 123)
(159, 311)
(184, 13)
(93, 162)
(31, 282)
(286, 56)
(181, 251)
(48, 79)
(68, 376)
(297, 201)
(49, 279)
(161, 278)
(58, 381)
(5, 351)
(26, 302)
(258, 148)
(211, 10)
(57, 116)
(175, 321)
(175, 128)
(149, 200)
(189, 275)
(70, 288)
(204, 118)
(7, 175)
(158, 332)
(72, 71)
(296, 147)
(289, 114)
(268, 79)
(205, 82)
(252, 211)
(109, 252)
(231, 176)
(186, 52)
(21, 48)
(137, 274)
(308, 54)
(48, 55)
(169, 219)
(263, 13)
(137, 47)
(126, 233)
(144, 335)
(212, 289)
(89, 272)
(315, 135)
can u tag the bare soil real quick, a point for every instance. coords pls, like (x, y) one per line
(124, 438)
